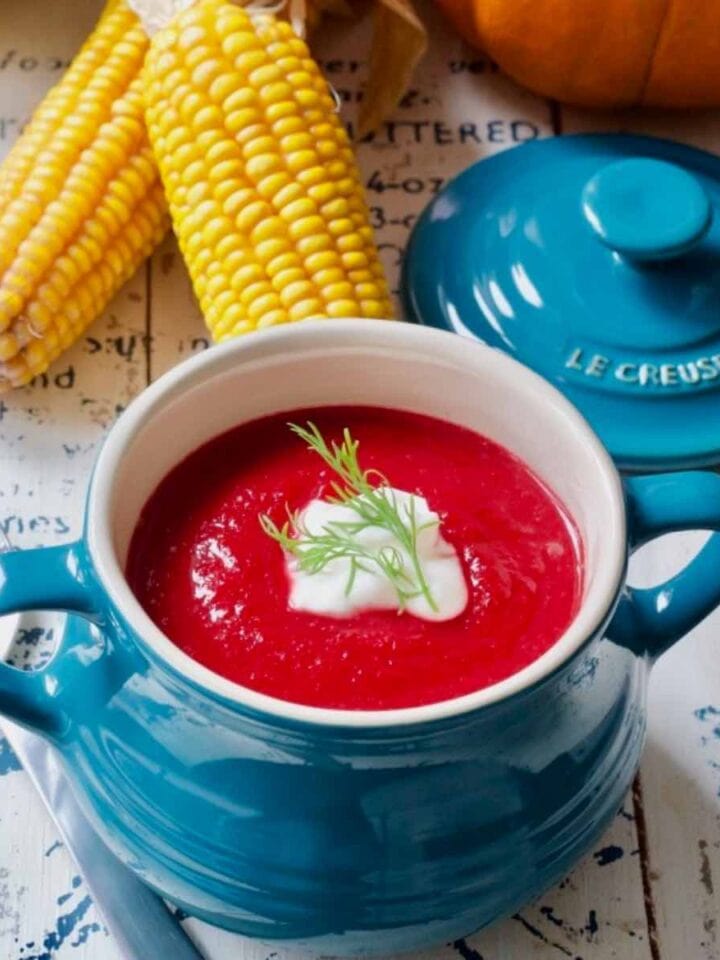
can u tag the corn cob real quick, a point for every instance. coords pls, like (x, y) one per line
(260, 175)
(81, 203)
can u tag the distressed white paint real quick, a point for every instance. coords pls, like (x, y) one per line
(48, 437)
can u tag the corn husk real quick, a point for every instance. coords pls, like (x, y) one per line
(399, 41)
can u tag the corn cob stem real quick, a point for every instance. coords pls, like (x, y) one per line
(259, 172)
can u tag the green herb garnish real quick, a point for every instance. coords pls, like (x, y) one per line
(368, 494)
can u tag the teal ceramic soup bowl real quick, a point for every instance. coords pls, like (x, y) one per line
(354, 832)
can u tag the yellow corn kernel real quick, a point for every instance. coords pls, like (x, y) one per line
(305, 309)
(315, 244)
(246, 275)
(239, 120)
(354, 259)
(273, 318)
(324, 260)
(285, 261)
(251, 215)
(343, 308)
(253, 291)
(288, 275)
(234, 196)
(330, 275)
(267, 250)
(342, 290)
(240, 98)
(297, 291)
(262, 305)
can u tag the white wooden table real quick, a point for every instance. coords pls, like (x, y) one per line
(651, 889)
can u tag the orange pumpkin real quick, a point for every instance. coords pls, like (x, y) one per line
(601, 53)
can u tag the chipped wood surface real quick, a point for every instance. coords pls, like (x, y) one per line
(651, 888)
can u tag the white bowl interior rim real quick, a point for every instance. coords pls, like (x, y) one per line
(408, 366)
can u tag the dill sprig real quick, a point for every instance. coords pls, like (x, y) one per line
(369, 495)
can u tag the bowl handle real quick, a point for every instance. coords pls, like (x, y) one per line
(651, 620)
(50, 578)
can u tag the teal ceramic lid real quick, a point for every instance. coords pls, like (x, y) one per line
(595, 260)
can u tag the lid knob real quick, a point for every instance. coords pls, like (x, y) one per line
(647, 209)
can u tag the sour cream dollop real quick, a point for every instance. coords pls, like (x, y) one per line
(327, 592)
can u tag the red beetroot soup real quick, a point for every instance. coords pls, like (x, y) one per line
(217, 585)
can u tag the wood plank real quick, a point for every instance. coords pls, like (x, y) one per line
(45, 909)
(681, 781)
